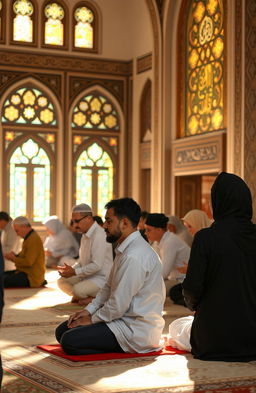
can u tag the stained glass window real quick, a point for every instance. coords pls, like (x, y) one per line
(54, 28)
(83, 28)
(29, 106)
(95, 112)
(94, 178)
(22, 23)
(204, 98)
(30, 182)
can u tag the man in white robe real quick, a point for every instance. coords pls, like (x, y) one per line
(83, 278)
(126, 315)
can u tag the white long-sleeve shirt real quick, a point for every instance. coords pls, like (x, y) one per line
(174, 253)
(95, 256)
(10, 242)
(131, 302)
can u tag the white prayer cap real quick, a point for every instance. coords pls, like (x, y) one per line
(21, 221)
(82, 208)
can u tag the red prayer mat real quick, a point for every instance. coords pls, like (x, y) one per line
(58, 351)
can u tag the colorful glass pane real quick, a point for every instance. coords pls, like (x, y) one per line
(105, 188)
(204, 98)
(22, 23)
(95, 112)
(28, 105)
(94, 170)
(54, 29)
(83, 28)
(29, 161)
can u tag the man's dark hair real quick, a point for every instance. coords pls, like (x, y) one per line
(4, 216)
(98, 219)
(125, 207)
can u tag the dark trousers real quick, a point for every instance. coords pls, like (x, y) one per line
(14, 278)
(85, 340)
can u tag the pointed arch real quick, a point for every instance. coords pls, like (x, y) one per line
(50, 138)
(110, 140)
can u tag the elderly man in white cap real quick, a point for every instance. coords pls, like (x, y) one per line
(29, 262)
(87, 275)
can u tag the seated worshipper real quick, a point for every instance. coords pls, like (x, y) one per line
(1, 302)
(126, 315)
(83, 278)
(59, 243)
(195, 220)
(75, 232)
(9, 239)
(29, 263)
(176, 226)
(173, 251)
(220, 285)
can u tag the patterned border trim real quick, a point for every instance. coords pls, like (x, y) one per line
(144, 63)
(100, 66)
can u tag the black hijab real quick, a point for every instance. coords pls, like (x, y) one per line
(232, 201)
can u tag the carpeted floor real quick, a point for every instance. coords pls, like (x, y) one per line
(30, 318)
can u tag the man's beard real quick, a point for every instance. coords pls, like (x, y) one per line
(113, 238)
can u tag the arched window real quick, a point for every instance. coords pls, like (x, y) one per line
(30, 132)
(23, 26)
(94, 178)
(84, 27)
(96, 135)
(29, 182)
(54, 33)
(204, 68)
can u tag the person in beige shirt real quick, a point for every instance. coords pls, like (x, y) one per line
(30, 262)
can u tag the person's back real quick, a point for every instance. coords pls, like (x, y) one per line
(221, 279)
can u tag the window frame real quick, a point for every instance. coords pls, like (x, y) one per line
(95, 25)
(65, 22)
(35, 20)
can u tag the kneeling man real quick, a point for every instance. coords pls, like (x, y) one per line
(126, 315)
(29, 263)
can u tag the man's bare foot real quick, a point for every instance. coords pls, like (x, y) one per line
(86, 301)
(74, 299)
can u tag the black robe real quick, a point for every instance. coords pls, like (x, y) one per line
(220, 284)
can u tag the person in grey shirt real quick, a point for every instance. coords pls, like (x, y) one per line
(126, 315)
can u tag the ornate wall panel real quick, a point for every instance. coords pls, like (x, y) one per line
(250, 98)
(199, 155)
(78, 84)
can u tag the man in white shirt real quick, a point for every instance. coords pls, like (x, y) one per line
(84, 277)
(9, 239)
(126, 315)
(173, 252)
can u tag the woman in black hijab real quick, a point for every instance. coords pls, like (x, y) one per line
(220, 285)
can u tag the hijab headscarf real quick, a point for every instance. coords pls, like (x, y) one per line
(231, 197)
(197, 219)
(54, 224)
(232, 202)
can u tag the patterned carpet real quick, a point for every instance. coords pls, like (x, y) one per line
(30, 318)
